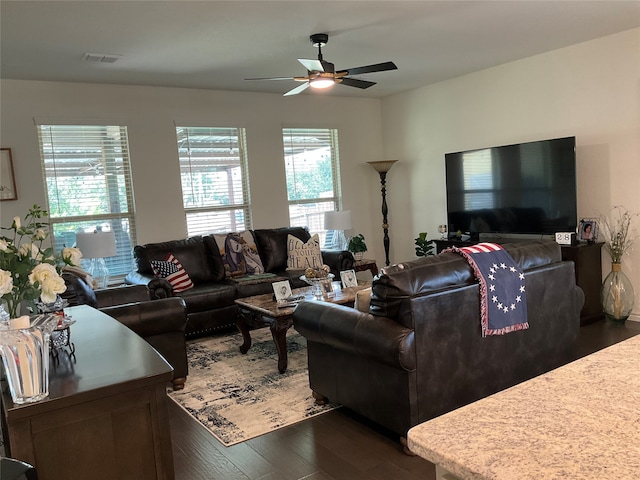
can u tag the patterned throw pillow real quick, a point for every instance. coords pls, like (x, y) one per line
(303, 255)
(239, 254)
(172, 271)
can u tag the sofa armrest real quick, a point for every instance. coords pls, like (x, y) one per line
(151, 317)
(135, 278)
(108, 297)
(359, 333)
(337, 260)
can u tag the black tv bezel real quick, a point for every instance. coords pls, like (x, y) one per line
(569, 227)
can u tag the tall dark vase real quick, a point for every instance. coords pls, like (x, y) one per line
(617, 295)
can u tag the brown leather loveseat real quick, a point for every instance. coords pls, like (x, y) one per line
(418, 352)
(160, 321)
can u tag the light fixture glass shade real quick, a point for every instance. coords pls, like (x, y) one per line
(338, 222)
(94, 247)
(382, 166)
(321, 83)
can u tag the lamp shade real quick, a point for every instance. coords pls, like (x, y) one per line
(382, 166)
(337, 220)
(96, 245)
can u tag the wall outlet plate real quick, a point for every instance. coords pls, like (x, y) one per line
(565, 238)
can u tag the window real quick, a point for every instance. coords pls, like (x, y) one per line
(313, 179)
(214, 175)
(88, 186)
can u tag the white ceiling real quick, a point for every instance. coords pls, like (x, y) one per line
(216, 44)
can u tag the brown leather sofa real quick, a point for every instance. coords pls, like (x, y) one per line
(211, 302)
(418, 352)
(161, 322)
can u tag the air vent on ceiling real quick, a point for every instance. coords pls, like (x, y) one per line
(100, 58)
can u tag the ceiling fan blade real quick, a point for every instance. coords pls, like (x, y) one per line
(378, 67)
(312, 65)
(297, 90)
(354, 82)
(271, 78)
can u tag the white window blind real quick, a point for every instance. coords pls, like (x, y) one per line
(313, 176)
(88, 187)
(215, 179)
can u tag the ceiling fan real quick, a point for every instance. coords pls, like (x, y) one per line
(322, 74)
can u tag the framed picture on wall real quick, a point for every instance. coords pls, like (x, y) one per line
(588, 230)
(7, 177)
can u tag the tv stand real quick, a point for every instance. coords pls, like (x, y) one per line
(587, 258)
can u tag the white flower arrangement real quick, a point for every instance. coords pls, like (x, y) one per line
(28, 270)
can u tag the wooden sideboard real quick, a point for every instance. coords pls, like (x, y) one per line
(106, 415)
(587, 258)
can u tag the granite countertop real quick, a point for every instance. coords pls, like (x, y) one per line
(580, 421)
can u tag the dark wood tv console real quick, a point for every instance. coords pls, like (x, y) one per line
(106, 415)
(587, 258)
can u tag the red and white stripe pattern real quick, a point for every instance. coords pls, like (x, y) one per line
(173, 272)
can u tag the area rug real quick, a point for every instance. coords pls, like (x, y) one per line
(238, 397)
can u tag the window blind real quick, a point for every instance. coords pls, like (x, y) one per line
(88, 184)
(215, 179)
(313, 175)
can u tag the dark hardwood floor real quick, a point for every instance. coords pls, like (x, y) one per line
(333, 446)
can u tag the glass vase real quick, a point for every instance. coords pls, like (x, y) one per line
(617, 295)
(24, 345)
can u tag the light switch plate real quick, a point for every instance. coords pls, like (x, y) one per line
(565, 238)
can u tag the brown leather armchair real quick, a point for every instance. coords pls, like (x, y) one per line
(161, 322)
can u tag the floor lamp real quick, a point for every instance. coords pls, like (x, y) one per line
(382, 167)
(96, 246)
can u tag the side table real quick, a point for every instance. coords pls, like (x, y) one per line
(366, 264)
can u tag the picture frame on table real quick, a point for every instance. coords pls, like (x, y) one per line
(327, 289)
(348, 278)
(588, 230)
(282, 290)
(7, 177)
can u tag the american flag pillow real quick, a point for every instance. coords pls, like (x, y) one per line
(172, 271)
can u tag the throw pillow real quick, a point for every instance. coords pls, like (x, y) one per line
(363, 300)
(172, 271)
(239, 254)
(303, 255)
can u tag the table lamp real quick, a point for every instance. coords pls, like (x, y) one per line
(339, 222)
(95, 247)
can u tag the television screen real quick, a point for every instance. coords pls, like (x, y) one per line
(527, 188)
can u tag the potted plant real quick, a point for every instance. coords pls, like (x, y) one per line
(357, 246)
(424, 247)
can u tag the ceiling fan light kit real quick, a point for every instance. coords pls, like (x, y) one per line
(322, 74)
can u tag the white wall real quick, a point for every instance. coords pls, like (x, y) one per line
(150, 113)
(590, 90)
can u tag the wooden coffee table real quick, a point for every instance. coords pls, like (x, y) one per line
(261, 310)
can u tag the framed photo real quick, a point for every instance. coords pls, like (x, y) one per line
(282, 290)
(348, 278)
(588, 230)
(7, 178)
(327, 289)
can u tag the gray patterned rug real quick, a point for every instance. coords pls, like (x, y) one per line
(238, 397)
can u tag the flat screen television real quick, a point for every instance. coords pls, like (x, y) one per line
(526, 188)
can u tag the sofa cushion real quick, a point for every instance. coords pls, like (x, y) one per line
(173, 272)
(209, 297)
(302, 255)
(239, 254)
(272, 246)
(198, 256)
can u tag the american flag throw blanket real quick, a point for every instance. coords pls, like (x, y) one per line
(503, 301)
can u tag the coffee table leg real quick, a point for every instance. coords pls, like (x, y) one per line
(241, 323)
(279, 334)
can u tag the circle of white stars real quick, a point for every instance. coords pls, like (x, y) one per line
(502, 304)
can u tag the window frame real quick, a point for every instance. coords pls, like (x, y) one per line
(232, 208)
